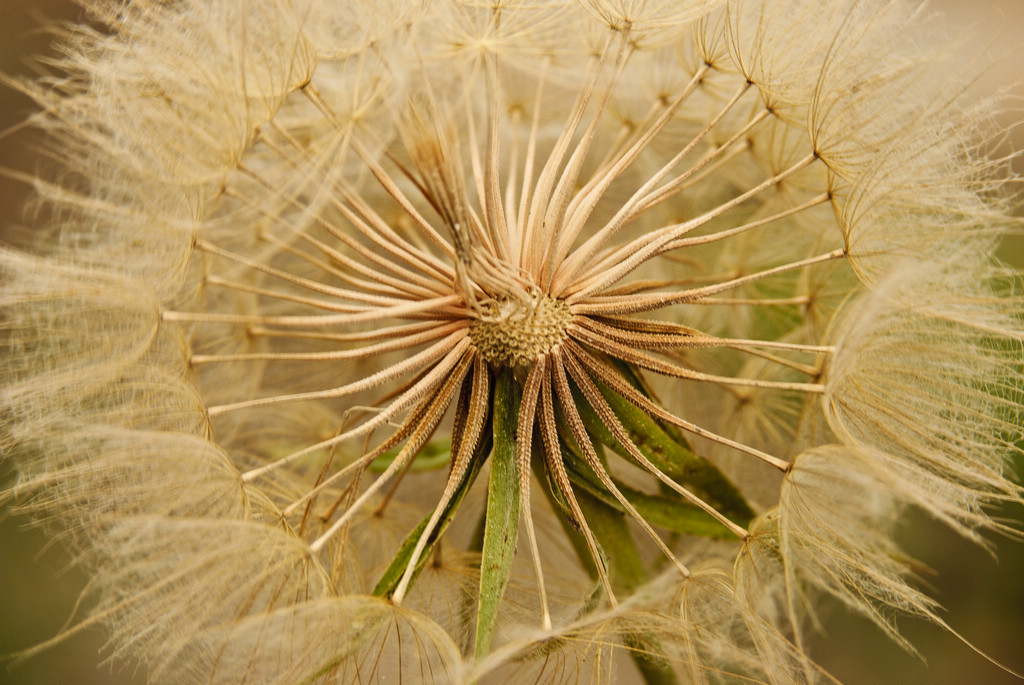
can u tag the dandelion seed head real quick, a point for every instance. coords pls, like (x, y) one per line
(511, 333)
(471, 318)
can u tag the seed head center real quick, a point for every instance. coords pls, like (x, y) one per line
(514, 332)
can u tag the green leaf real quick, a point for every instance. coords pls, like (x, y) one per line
(667, 452)
(668, 512)
(501, 529)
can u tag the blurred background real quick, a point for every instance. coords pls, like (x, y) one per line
(983, 592)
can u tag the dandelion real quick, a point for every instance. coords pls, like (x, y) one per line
(699, 297)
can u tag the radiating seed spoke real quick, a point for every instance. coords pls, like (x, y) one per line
(613, 380)
(429, 382)
(646, 361)
(553, 458)
(475, 418)
(618, 305)
(598, 403)
(419, 360)
(437, 405)
(640, 250)
(368, 352)
(582, 438)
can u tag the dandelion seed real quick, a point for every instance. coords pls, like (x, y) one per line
(337, 312)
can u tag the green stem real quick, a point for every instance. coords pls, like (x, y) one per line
(501, 529)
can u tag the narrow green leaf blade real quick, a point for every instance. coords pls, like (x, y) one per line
(669, 455)
(668, 512)
(502, 525)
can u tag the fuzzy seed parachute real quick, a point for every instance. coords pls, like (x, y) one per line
(539, 340)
